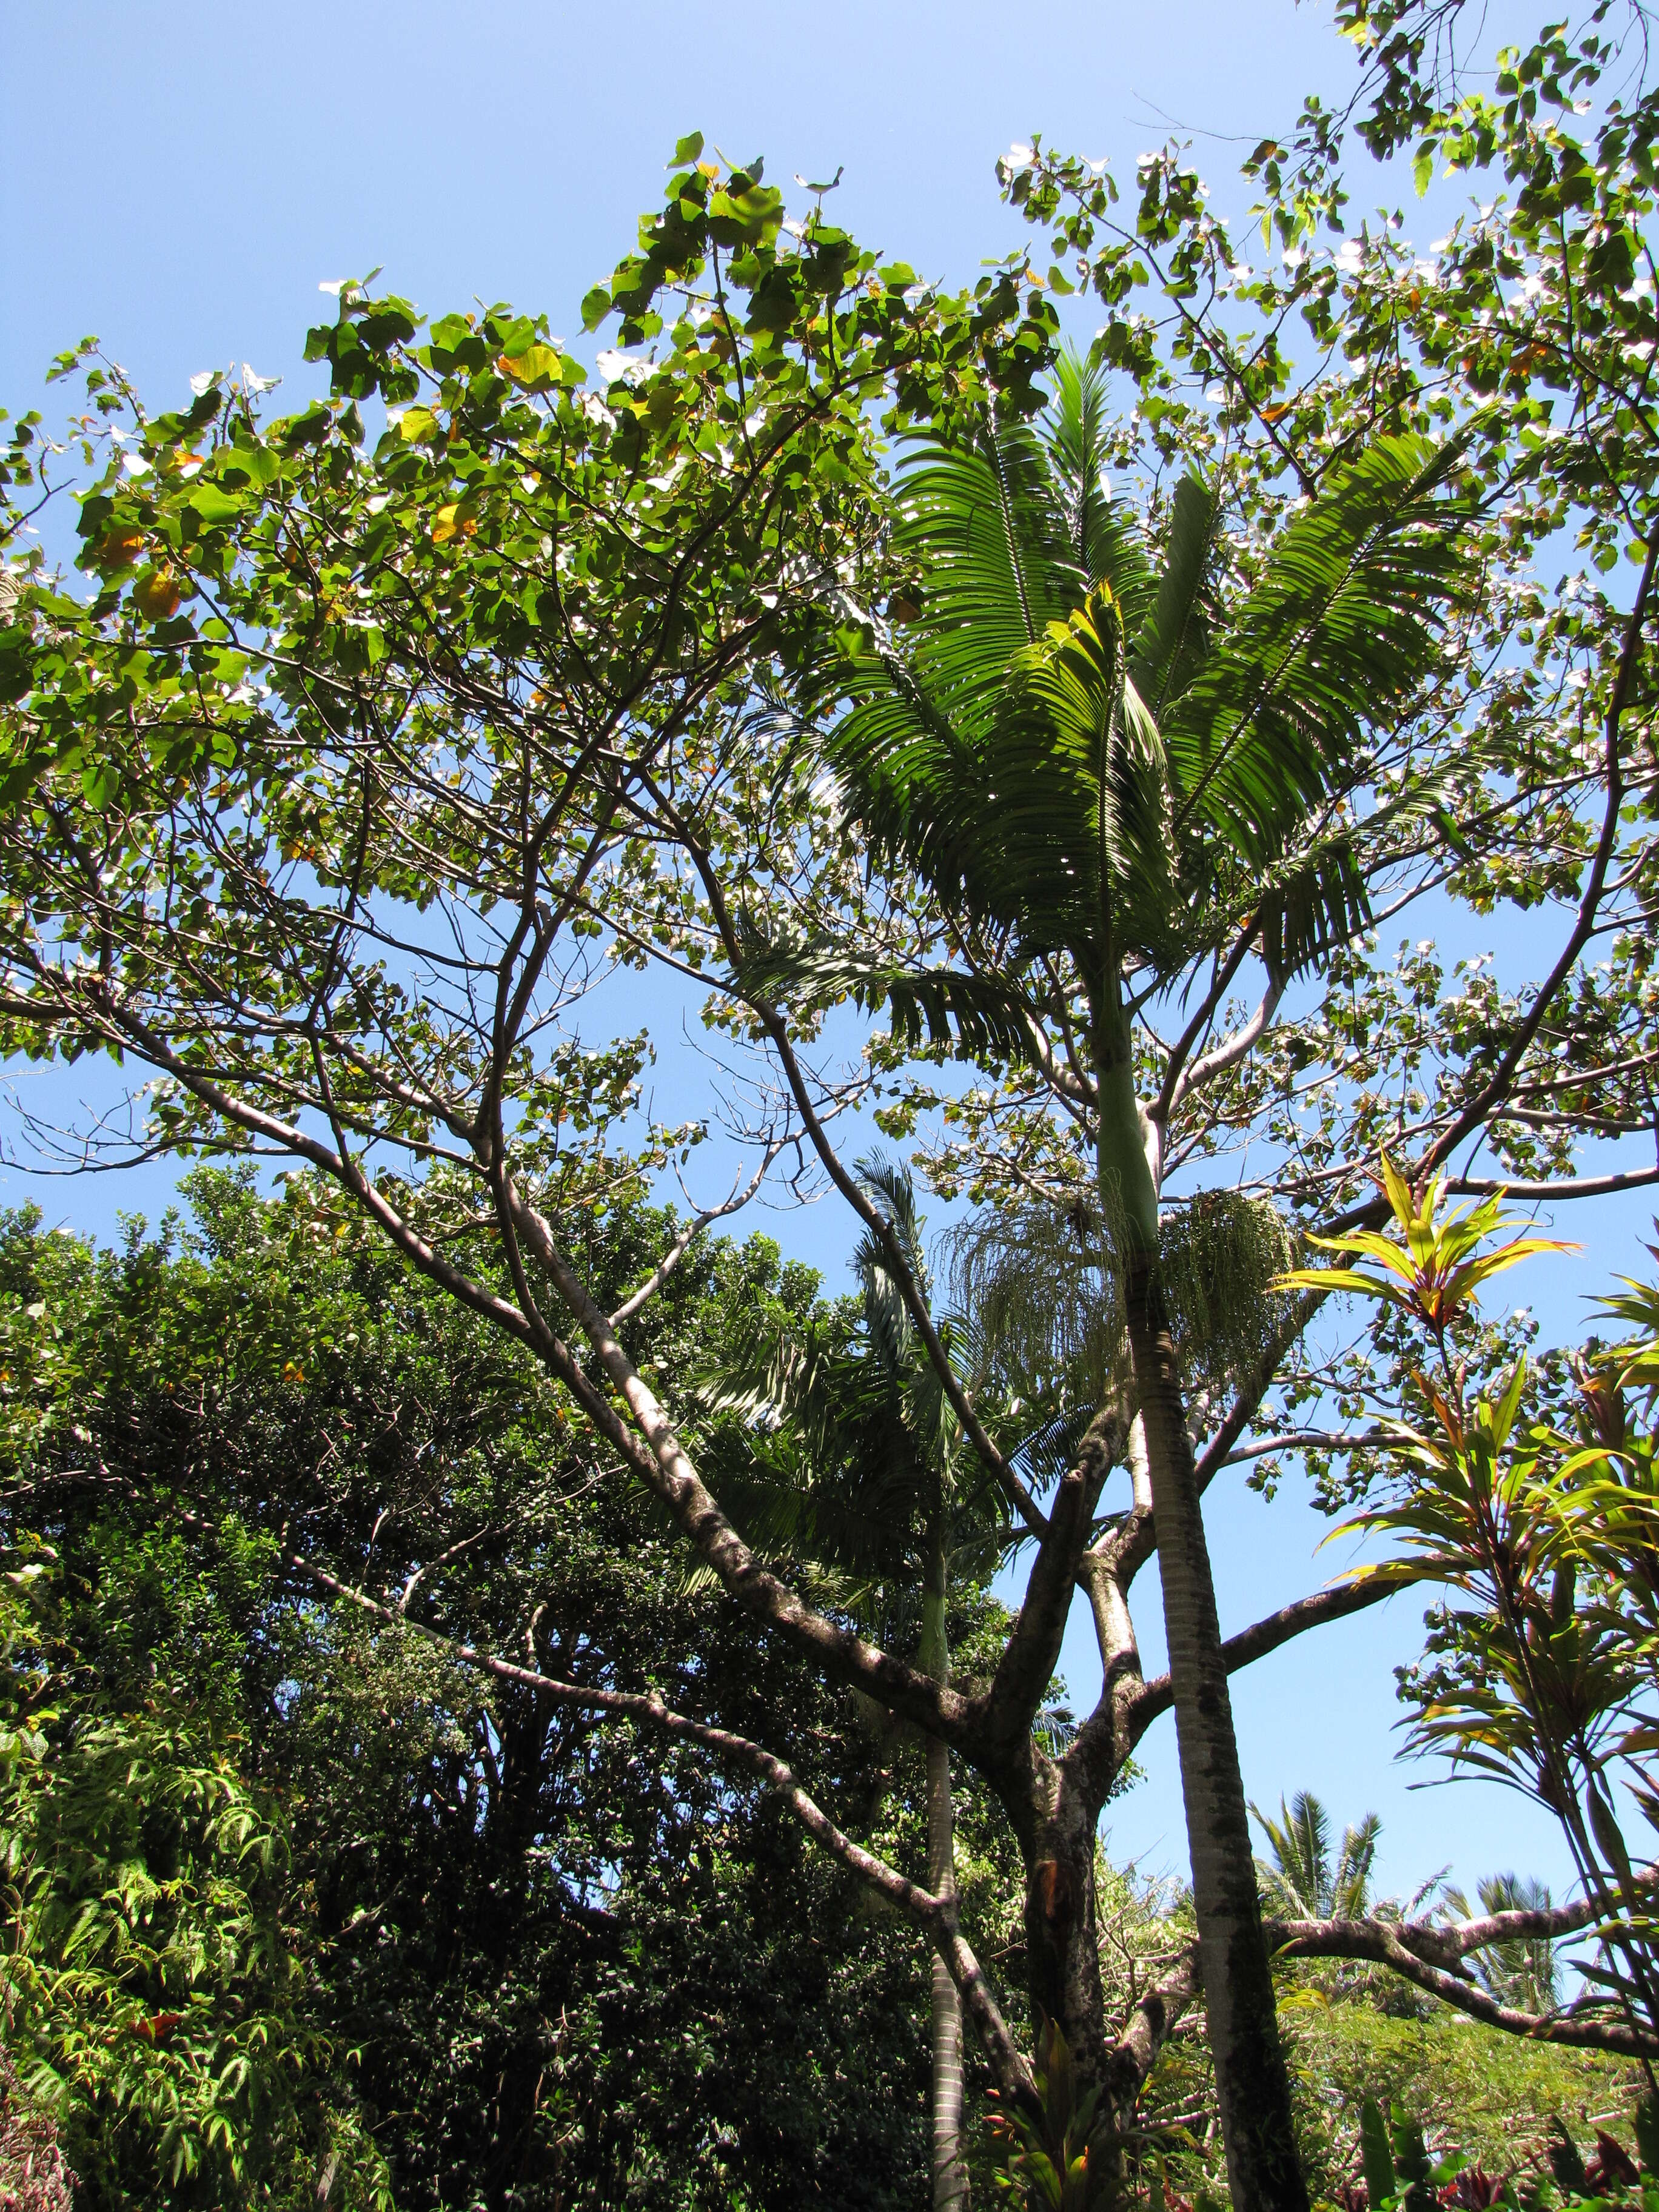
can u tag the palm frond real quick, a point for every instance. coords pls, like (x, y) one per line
(1103, 533)
(1298, 1878)
(1072, 680)
(982, 1016)
(1341, 630)
(1040, 1288)
(1351, 1879)
(993, 544)
(1173, 640)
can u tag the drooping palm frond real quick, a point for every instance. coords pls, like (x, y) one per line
(1337, 635)
(889, 1187)
(829, 1475)
(1039, 1288)
(980, 1016)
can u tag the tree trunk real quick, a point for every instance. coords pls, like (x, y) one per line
(1253, 2087)
(1062, 1948)
(1252, 2082)
(951, 2193)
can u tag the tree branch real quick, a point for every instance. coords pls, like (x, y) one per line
(1432, 1958)
(1498, 1087)
(1264, 1636)
(934, 1916)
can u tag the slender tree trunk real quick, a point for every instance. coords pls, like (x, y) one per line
(951, 2193)
(1253, 2087)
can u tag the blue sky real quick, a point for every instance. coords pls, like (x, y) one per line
(180, 178)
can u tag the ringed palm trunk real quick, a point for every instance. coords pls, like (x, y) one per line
(951, 2191)
(1252, 2081)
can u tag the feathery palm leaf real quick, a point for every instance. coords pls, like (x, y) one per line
(1343, 627)
(1107, 767)
(1304, 1880)
(1103, 536)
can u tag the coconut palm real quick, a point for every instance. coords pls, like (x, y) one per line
(1101, 768)
(1305, 1881)
(1521, 1971)
(855, 1468)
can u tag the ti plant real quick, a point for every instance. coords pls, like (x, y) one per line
(1401, 2174)
(1541, 1669)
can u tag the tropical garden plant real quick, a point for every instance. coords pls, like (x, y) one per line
(1541, 1668)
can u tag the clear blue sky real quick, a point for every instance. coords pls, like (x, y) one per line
(180, 178)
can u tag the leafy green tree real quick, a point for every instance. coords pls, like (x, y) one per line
(376, 743)
(568, 1968)
(157, 1989)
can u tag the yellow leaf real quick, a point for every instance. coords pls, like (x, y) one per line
(538, 369)
(451, 522)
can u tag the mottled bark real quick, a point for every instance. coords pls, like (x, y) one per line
(1062, 1953)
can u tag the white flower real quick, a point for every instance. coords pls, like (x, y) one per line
(257, 383)
(1098, 168)
(1294, 256)
(134, 464)
(201, 380)
(1018, 157)
(595, 409)
(795, 227)
(1349, 256)
(622, 368)
(335, 288)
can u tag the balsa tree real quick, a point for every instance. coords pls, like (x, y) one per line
(1099, 765)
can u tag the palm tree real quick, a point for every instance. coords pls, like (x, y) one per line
(1304, 1880)
(1522, 1970)
(1097, 767)
(856, 1467)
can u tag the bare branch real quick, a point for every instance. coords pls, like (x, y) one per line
(1255, 1642)
(693, 1229)
(1431, 1958)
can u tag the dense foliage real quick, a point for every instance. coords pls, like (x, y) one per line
(458, 1946)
